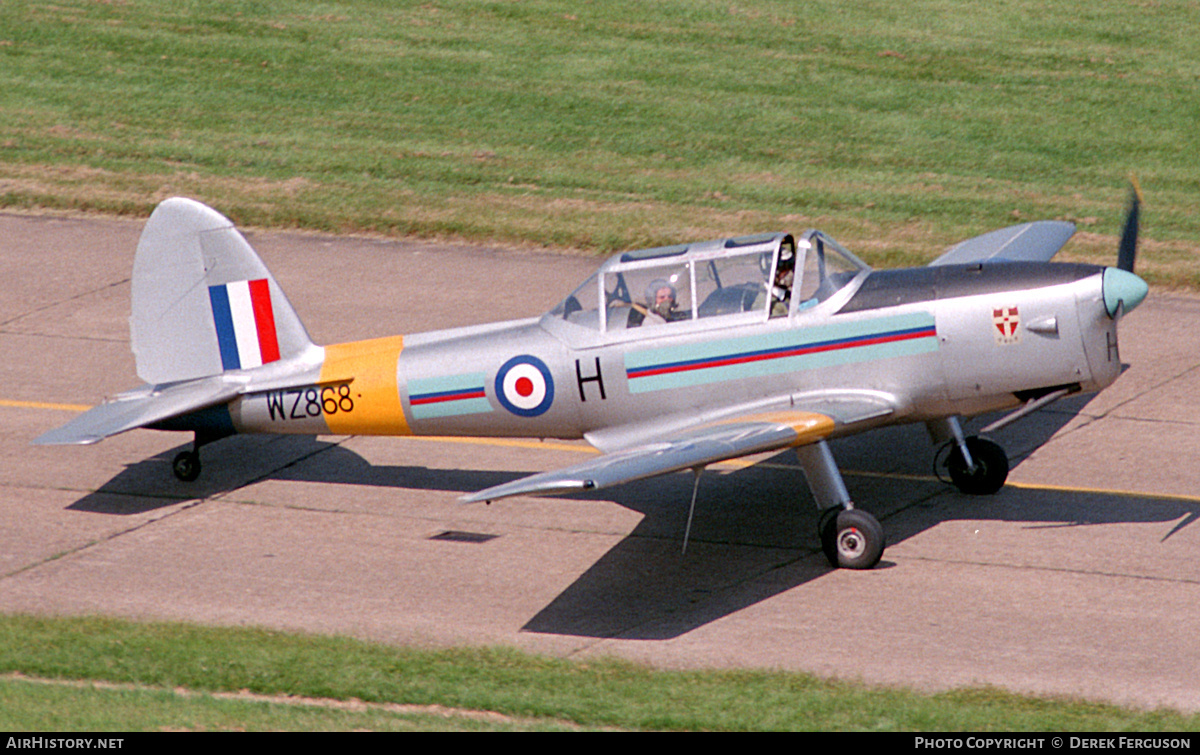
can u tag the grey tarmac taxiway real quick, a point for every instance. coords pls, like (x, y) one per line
(1080, 578)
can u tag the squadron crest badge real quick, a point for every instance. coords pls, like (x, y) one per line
(1006, 325)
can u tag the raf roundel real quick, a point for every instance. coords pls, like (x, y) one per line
(524, 386)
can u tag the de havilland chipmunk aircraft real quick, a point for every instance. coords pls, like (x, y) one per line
(665, 359)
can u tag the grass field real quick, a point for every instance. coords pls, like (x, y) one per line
(602, 125)
(165, 676)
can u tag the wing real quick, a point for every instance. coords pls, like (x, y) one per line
(1028, 242)
(728, 438)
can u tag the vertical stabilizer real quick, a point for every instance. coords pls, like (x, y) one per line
(203, 302)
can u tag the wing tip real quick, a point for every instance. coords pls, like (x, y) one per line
(56, 437)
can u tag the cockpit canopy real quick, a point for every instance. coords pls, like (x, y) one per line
(740, 279)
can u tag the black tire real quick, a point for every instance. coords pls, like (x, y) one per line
(186, 466)
(991, 467)
(852, 540)
(825, 524)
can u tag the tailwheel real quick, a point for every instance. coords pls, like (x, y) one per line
(186, 466)
(851, 538)
(990, 470)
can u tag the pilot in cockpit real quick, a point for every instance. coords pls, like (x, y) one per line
(785, 275)
(661, 306)
(661, 296)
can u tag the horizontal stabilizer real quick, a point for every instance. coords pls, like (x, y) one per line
(1028, 242)
(139, 408)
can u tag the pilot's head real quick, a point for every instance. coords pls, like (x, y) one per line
(660, 296)
(785, 271)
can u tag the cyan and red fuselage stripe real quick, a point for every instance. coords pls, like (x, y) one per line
(437, 397)
(826, 346)
(245, 323)
(448, 395)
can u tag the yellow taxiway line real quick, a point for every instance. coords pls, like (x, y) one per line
(44, 405)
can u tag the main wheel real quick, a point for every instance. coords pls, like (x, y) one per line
(851, 539)
(186, 466)
(991, 467)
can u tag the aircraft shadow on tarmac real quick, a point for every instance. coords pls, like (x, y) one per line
(753, 536)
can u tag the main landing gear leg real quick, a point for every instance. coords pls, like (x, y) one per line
(850, 537)
(977, 466)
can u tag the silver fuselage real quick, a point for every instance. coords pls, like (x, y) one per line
(931, 342)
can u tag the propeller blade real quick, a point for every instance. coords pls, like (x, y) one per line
(1127, 251)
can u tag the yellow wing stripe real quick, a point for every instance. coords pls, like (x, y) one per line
(809, 426)
(371, 366)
